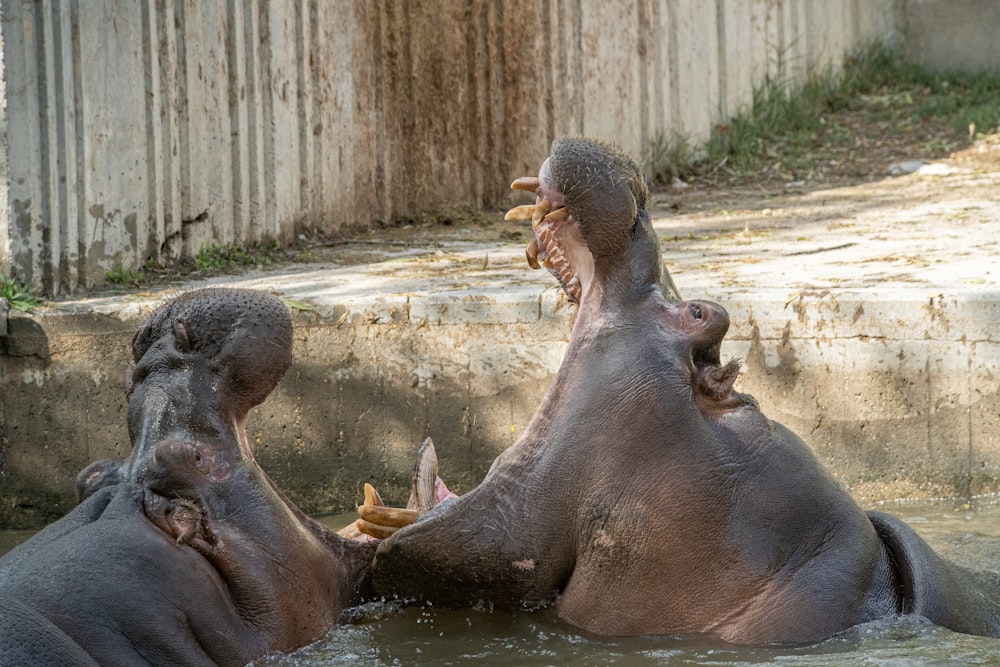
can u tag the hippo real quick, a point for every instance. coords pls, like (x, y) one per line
(186, 552)
(646, 495)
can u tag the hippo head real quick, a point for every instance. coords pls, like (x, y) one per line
(592, 230)
(593, 233)
(200, 363)
(564, 510)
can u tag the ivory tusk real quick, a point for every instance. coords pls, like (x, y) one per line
(531, 252)
(559, 215)
(527, 183)
(523, 212)
(425, 471)
(542, 209)
(372, 497)
(374, 530)
(394, 517)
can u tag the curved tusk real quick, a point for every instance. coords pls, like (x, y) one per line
(372, 497)
(542, 209)
(527, 183)
(425, 471)
(523, 212)
(387, 517)
(531, 252)
(373, 530)
(561, 214)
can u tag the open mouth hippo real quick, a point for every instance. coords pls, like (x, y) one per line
(646, 495)
(185, 553)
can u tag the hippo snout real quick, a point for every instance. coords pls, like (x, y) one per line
(189, 462)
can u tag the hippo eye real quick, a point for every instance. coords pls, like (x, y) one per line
(197, 458)
(696, 311)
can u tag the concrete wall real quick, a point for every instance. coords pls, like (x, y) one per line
(144, 130)
(953, 35)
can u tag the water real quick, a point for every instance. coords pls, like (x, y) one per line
(424, 636)
(415, 636)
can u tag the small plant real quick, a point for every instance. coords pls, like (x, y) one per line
(670, 157)
(18, 295)
(119, 275)
(232, 256)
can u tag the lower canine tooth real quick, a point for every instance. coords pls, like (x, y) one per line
(542, 209)
(372, 496)
(374, 530)
(531, 252)
(559, 215)
(391, 517)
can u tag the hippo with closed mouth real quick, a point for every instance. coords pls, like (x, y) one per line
(647, 495)
(186, 552)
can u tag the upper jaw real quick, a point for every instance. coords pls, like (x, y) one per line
(558, 244)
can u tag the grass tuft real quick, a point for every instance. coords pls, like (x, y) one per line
(786, 129)
(122, 277)
(234, 256)
(18, 295)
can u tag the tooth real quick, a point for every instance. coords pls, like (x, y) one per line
(425, 472)
(559, 215)
(541, 210)
(372, 497)
(531, 252)
(573, 282)
(524, 212)
(391, 517)
(528, 183)
(374, 530)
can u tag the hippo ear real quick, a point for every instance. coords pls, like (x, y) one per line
(141, 340)
(714, 387)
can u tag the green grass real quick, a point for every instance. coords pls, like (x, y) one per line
(19, 296)
(119, 275)
(234, 256)
(787, 128)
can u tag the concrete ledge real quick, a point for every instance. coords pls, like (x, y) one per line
(865, 318)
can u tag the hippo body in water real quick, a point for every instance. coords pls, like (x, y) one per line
(646, 495)
(185, 553)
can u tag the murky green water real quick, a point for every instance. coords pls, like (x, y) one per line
(442, 637)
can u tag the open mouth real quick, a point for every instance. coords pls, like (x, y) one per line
(555, 233)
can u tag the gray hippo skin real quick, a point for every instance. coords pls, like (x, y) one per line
(646, 496)
(186, 553)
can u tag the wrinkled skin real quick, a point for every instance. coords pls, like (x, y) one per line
(185, 553)
(646, 496)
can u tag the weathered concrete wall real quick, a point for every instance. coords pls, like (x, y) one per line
(952, 35)
(898, 397)
(371, 379)
(142, 131)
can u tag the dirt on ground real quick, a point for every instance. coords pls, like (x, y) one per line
(877, 153)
